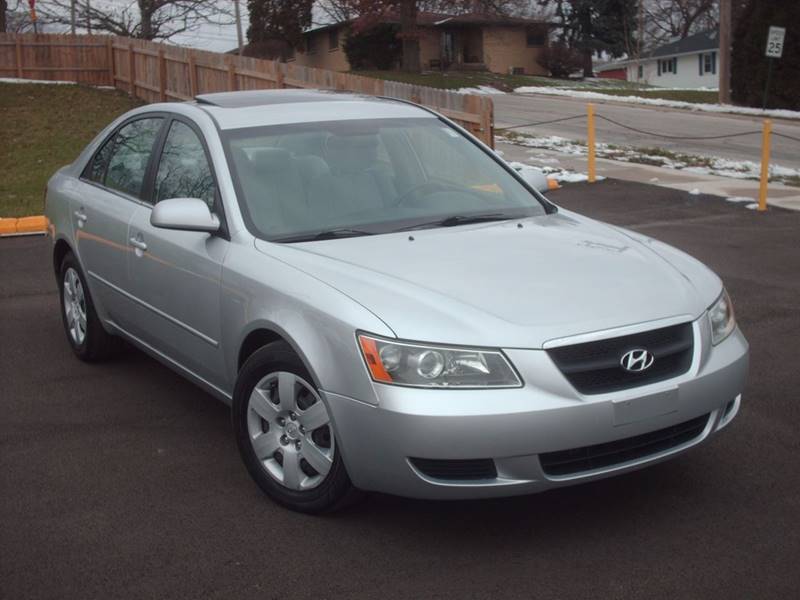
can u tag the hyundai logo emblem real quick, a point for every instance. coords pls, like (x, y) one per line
(637, 360)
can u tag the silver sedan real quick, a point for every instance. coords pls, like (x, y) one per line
(384, 302)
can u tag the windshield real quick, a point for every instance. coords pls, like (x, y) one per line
(360, 177)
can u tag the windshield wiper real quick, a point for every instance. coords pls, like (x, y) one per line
(454, 220)
(326, 234)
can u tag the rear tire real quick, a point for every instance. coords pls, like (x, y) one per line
(285, 435)
(85, 334)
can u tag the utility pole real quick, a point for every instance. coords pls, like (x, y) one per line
(72, 16)
(725, 51)
(639, 39)
(238, 14)
(88, 17)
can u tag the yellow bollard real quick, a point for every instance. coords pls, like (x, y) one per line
(590, 142)
(762, 188)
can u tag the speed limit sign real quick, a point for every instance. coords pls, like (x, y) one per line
(775, 42)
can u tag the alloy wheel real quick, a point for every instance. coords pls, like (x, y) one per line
(74, 306)
(289, 430)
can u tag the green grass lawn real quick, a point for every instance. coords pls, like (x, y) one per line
(694, 96)
(45, 127)
(453, 80)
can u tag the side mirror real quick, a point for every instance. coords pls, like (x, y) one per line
(184, 214)
(534, 178)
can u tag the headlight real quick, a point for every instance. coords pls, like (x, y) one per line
(421, 365)
(720, 314)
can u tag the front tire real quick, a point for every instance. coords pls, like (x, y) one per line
(85, 333)
(285, 435)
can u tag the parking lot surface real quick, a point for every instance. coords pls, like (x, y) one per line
(122, 480)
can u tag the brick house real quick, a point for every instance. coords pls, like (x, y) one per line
(471, 41)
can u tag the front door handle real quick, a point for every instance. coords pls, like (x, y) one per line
(138, 243)
(80, 216)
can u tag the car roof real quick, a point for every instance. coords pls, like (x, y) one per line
(257, 108)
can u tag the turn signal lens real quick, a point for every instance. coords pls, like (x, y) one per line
(422, 365)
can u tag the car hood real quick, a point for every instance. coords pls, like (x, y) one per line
(509, 284)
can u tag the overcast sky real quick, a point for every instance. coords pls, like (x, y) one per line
(217, 38)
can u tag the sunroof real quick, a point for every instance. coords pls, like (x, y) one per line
(266, 97)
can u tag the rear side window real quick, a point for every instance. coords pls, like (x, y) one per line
(183, 169)
(122, 162)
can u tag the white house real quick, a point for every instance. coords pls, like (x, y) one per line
(688, 63)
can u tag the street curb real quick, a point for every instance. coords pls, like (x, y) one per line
(36, 225)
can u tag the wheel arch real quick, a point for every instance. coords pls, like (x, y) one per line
(261, 335)
(60, 249)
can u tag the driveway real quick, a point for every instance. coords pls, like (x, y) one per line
(518, 109)
(123, 480)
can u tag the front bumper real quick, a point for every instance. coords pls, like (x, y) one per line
(514, 426)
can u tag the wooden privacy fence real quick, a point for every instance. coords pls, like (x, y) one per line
(158, 72)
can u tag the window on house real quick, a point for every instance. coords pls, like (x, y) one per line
(669, 65)
(333, 39)
(709, 62)
(535, 36)
(311, 44)
(640, 72)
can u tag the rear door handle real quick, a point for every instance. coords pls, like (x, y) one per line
(138, 243)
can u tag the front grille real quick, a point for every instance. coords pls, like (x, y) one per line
(599, 456)
(594, 367)
(478, 468)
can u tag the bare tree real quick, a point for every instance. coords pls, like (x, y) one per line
(145, 19)
(15, 16)
(334, 11)
(668, 19)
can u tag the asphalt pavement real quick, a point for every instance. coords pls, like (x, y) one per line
(122, 480)
(518, 109)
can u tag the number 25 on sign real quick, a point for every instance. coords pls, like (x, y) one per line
(773, 50)
(775, 42)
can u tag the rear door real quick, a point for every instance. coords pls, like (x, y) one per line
(106, 199)
(176, 275)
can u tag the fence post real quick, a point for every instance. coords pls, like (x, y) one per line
(162, 76)
(110, 51)
(231, 75)
(762, 187)
(590, 142)
(192, 74)
(132, 69)
(18, 54)
(487, 120)
(279, 78)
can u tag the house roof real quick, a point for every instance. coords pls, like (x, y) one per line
(699, 42)
(433, 19)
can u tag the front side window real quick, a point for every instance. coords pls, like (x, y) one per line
(127, 163)
(183, 169)
(367, 177)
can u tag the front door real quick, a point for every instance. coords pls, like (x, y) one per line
(176, 275)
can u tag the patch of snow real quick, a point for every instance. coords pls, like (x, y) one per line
(481, 89)
(711, 165)
(694, 192)
(720, 108)
(560, 175)
(654, 180)
(739, 199)
(753, 206)
(43, 81)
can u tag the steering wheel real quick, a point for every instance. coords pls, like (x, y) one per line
(427, 188)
